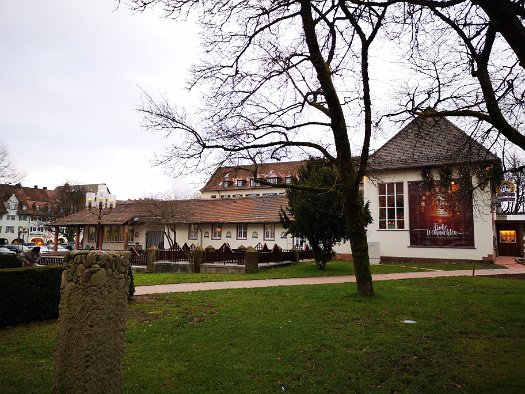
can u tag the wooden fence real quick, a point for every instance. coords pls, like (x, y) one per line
(51, 260)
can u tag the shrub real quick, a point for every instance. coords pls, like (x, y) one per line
(9, 261)
(29, 294)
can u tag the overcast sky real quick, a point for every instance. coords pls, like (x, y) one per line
(71, 75)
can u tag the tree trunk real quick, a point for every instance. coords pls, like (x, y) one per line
(354, 215)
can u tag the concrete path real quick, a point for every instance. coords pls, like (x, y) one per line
(245, 284)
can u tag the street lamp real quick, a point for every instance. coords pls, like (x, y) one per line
(101, 200)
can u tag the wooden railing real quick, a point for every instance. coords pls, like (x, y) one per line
(173, 255)
(51, 260)
(226, 257)
(138, 259)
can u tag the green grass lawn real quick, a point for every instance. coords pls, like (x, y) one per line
(301, 270)
(468, 337)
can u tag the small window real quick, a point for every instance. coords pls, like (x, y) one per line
(107, 233)
(272, 180)
(253, 183)
(193, 231)
(225, 183)
(391, 206)
(213, 196)
(24, 207)
(240, 182)
(242, 230)
(255, 234)
(216, 231)
(114, 233)
(288, 180)
(10, 229)
(92, 234)
(269, 232)
(11, 217)
(228, 234)
(206, 234)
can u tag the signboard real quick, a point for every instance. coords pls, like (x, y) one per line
(506, 192)
(439, 217)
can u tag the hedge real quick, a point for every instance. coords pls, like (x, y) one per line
(29, 294)
(9, 261)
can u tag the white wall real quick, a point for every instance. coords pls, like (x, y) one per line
(397, 242)
(182, 236)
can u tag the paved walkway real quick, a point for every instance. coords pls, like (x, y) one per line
(246, 284)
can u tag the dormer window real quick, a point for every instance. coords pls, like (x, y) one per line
(24, 207)
(253, 183)
(12, 205)
(240, 182)
(226, 184)
(288, 180)
(272, 180)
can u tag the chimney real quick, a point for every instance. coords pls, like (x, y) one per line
(44, 188)
(19, 186)
(36, 186)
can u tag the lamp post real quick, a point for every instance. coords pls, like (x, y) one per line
(101, 200)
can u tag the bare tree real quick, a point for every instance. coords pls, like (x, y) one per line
(468, 61)
(68, 199)
(514, 169)
(169, 211)
(8, 173)
(279, 80)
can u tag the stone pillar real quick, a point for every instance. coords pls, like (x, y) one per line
(198, 259)
(92, 323)
(251, 261)
(152, 255)
(295, 253)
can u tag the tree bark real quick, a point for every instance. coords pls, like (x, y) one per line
(503, 17)
(344, 162)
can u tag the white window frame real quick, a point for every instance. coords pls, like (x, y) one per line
(242, 230)
(269, 232)
(391, 215)
(216, 231)
(193, 231)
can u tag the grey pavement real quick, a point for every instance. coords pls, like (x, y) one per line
(249, 284)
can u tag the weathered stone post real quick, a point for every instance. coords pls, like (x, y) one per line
(295, 254)
(251, 261)
(198, 257)
(92, 323)
(152, 255)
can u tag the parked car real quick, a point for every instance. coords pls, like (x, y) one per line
(49, 248)
(68, 245)
(6, 251)
(16, 248)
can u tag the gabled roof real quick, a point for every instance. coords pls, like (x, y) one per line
(429, 141)
(238, 210)
(29, 196)
(280, 170)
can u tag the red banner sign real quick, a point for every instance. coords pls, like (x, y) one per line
(439, 217)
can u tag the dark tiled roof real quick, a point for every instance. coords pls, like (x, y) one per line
(429, 141)
(280, 170)
(30, 196)
(239, 210)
